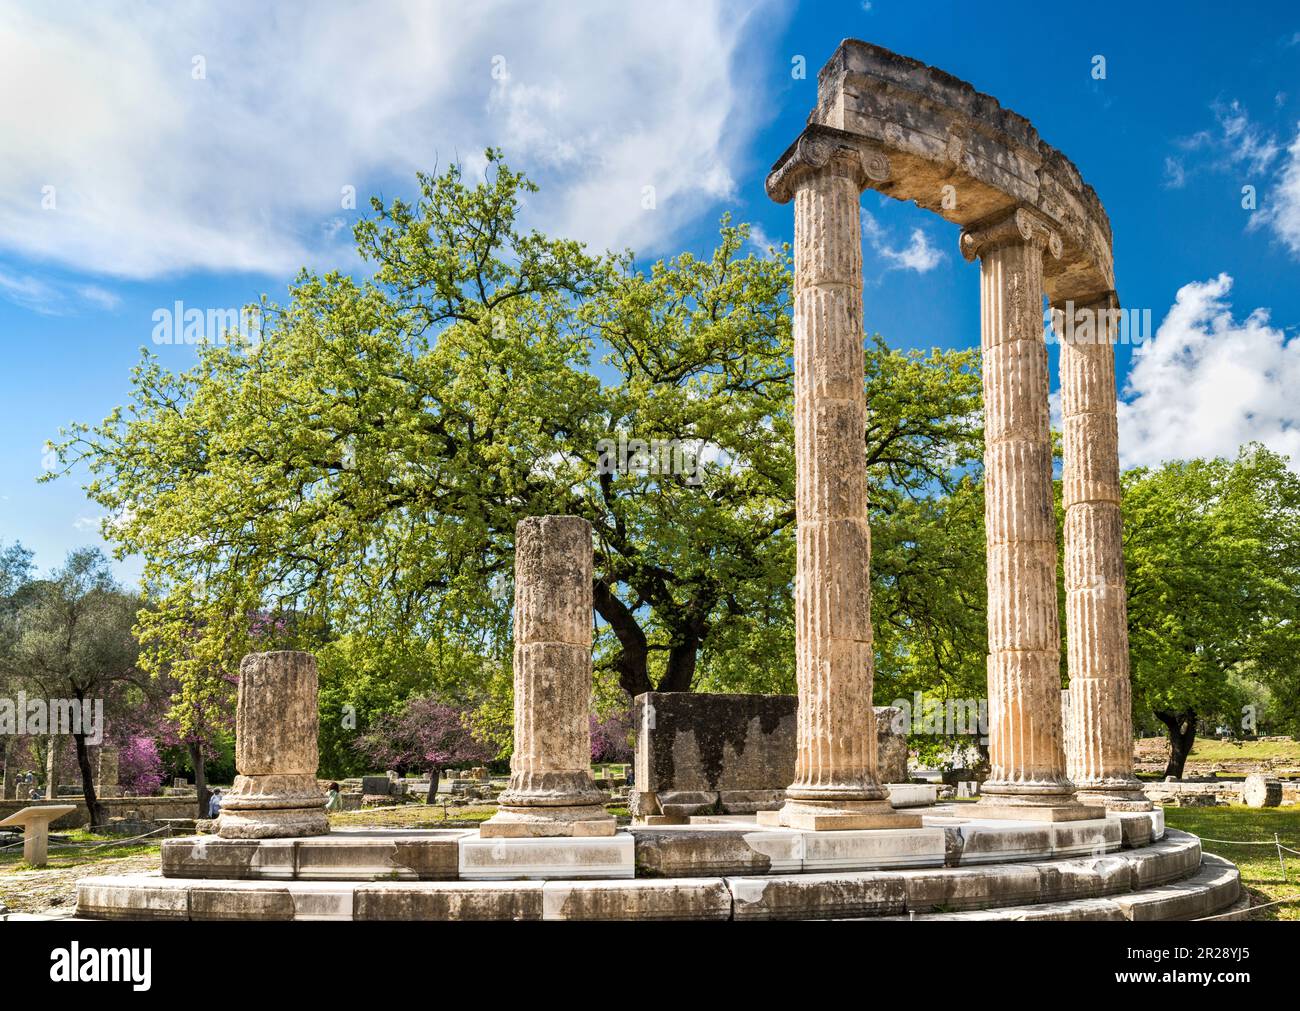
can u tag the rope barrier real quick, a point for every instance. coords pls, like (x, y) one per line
(1247, 911)
(94, 845)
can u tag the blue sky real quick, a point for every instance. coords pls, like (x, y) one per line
(195, 153)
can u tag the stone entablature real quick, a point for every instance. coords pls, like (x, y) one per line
(936, 130)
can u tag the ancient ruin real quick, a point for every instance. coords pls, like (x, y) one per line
(275, 793)
(836, 848)
(551, 791)
(891, 124)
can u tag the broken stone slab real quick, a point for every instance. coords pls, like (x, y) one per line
(912, 794)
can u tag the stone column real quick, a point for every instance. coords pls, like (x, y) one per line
(1024, 678)
(106, 782)
(836, 783)
(1099, 746)
(275, 794)
(551, 792)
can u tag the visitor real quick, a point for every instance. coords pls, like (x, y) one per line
(214, 804)
(333, 800)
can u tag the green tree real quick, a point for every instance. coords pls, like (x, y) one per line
(1212, 550)
(71, 639)
(364, 464)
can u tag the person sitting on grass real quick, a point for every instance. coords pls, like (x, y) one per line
(333, 799)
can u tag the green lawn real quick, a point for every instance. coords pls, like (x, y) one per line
(90, 848)
(1245, 751)
(1260, 872)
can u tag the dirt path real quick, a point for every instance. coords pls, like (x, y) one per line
(54, 889)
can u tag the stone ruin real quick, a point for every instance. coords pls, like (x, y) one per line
(699, 754)
(836, 847)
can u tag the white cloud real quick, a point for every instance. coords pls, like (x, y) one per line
(53, 298)
(917, 255)
(1239, 142)
(1281, 209)
(1206, 383)
(155, 172)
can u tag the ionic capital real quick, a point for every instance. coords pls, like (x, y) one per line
(823, 149)
(1020, 226)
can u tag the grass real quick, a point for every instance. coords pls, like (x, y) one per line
(1211, 749)
(11, 860)
(414, 816)
(1260, 871)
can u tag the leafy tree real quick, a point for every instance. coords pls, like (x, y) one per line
(71, 638)
(1212, 549)
(364, 465)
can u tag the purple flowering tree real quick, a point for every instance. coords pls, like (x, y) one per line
(424, 734)
(139, 766)
(611, 737)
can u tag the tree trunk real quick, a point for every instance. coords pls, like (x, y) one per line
(88, 782)
(432, 796)
(200, 776)
(633, 656)
(680, 672)
(1182, 735)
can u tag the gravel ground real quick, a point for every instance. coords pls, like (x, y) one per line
(53, 890)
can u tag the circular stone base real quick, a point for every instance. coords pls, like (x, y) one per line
(267, 823)
(1166, 880)
(541, 822)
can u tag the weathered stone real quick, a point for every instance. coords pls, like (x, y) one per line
(699, 754)
(275, 793)
(697, 899)
(690, 747)
(817, 896)
(836, 782)
(1262, 791)
(551, 792)
(35, 822)
(521, 858)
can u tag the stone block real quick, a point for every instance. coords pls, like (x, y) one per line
(912, 794)
(971, 887)
(879, 848)
(996, 842)
(817, 896)
(449, 900)
(692, 851)
(1262, 791)
(131, 897)
(697, 899)
(1080, 838)
(533, 858)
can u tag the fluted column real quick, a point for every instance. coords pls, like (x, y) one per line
(276, 722)
(1099, 745)
(551, 792)
(836, 785)
(1024, 680)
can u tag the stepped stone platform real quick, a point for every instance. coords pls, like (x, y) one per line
(1124, 867)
